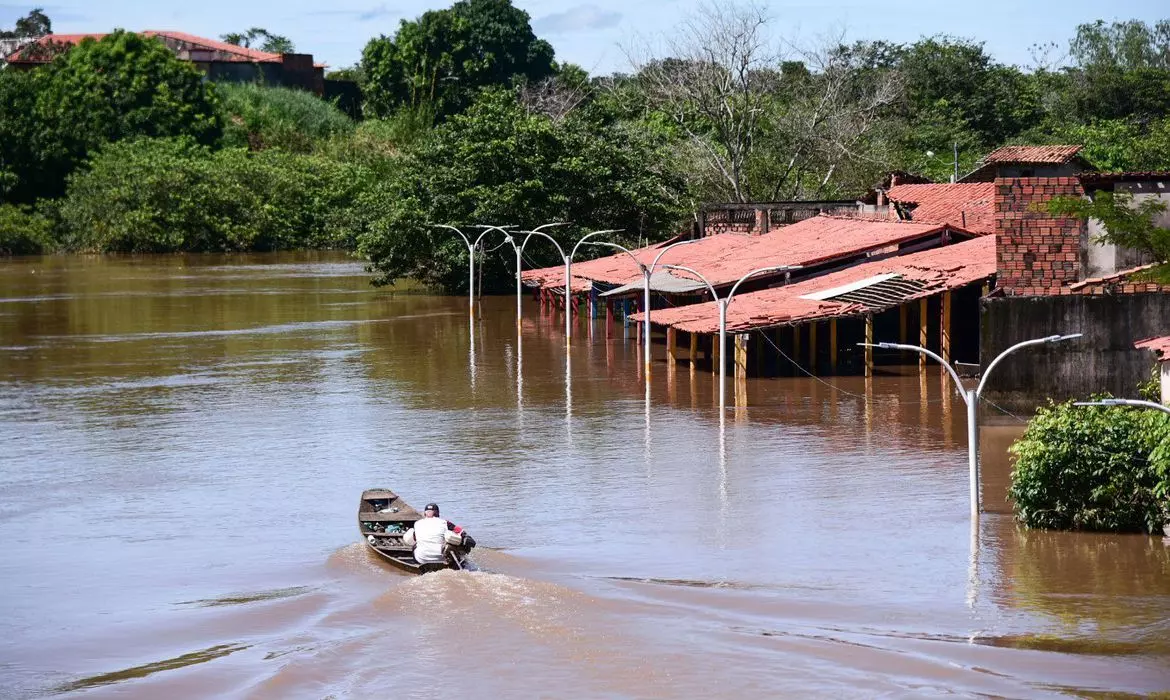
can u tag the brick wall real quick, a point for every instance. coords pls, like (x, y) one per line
(1036, 254)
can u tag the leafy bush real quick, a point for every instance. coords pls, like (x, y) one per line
(258, 117)
(498, 163)
(1091, 468)
(24, 231)
(122, 86)
(164, 195)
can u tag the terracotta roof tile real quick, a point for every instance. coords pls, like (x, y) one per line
(1160, 346)
(1109, 279)
(936, 270)
(724, 258)
(1033, 154)
(968, 205)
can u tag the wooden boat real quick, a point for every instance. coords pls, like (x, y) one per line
(383, 518)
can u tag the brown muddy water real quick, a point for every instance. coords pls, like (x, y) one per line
(184, 440)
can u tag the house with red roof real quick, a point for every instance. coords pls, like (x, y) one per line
(221, 61)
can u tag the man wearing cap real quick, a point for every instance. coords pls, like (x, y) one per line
(429, 536)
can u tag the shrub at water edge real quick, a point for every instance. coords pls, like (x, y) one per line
(24, 231)
(166, 195)
(1090, 468)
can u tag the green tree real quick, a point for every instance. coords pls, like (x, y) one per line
(498, 162)
(263, 39)
(441, 59)
(24, 231)
(33, 25)
(165, 195)
(121, 86)
(1127, 224)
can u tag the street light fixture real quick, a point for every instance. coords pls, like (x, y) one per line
(647, 271)
(971, 398)
(1125, 402)
(568, 260)
(723, 304)
(519, 252)
(470, 261)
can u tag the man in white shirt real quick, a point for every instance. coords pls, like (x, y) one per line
(430, 535)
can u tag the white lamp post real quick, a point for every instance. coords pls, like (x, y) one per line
(470, 262)
(647, 271)
(723, 304)
(568, 260)
(519, 248)
(1125, 402)
(971, 398)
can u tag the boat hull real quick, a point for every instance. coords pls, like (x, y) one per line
(383, 518)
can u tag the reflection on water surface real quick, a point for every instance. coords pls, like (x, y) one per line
(185, 438)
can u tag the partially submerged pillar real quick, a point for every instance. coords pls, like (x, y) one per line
(922, 332)
(812, 347)
(945, 327)
(671, 350)
(741, 353)
(833, 345)
(869, 346)
(796, 344)
(694, 354)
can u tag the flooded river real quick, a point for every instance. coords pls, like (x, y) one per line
(184, 440)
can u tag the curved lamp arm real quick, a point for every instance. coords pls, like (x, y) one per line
(461, 234)
(753, 273)
(698, 275)
(1140, 403)
(924, 351)
(625, 250)
(591, 235)
(543, 235)
(663, 251)
(488, 229)
(1017, 346)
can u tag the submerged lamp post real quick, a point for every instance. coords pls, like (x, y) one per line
(723, 304)
(647, 270)
(568, 260)
(1137, 403)
(519, 248)
(470, 260)
(971, 398)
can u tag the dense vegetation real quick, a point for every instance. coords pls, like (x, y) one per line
(1091, 468)
(119, 146)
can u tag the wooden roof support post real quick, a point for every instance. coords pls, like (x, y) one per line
(869, 345)
(903, 312)
(741, 360)
(922, 332)
(833, 345)
(694, 351)
(608, 319)
(812, 347)
(796, 344)
(945, 340)
(716, 356)
(671, 350)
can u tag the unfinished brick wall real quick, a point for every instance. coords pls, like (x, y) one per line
(1036, 254)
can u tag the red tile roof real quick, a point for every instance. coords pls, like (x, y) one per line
(967, 205)
(938, 269)
(1118, 276)
(1033, 154)
(236, 53)
(726, 257)
(1160, 346)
